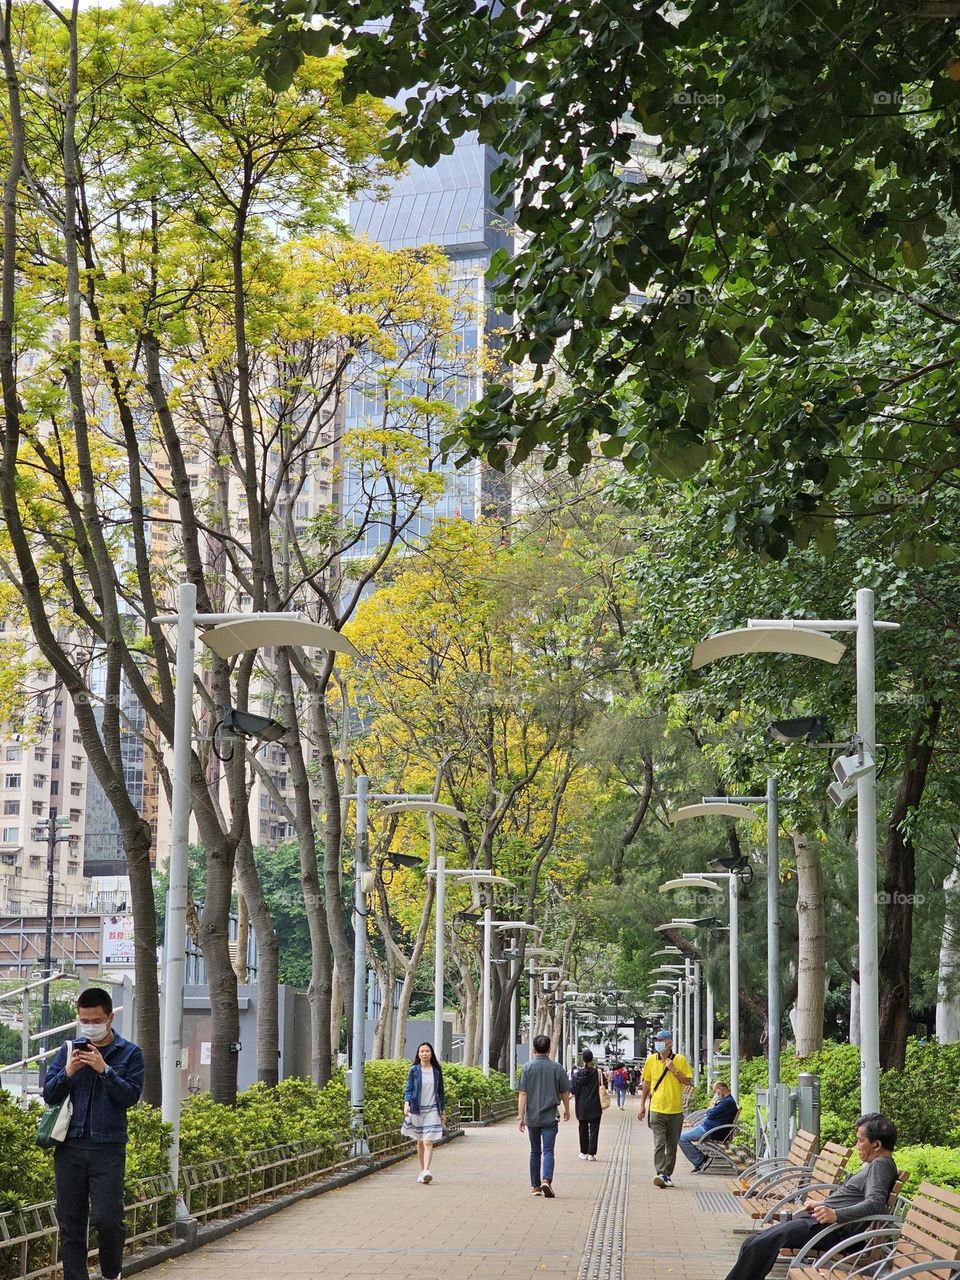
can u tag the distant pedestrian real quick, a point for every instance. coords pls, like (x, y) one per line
(664, 1077)
(543, 1086)
(424, 1113)
(716, 1124)
(103, 1074)
(585, 1087)
(620, 1086)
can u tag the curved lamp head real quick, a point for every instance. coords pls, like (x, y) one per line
(230, 638)
(715, 809)
(745, 640)
(421, 806)
(691, 884)
(674, 924)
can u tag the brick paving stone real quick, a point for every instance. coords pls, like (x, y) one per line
(478, 1221)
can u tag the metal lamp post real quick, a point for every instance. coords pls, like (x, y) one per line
(488, 927)
(50, 829)
(437, 867)
(467, 875)
(228, 635)
(809, 637)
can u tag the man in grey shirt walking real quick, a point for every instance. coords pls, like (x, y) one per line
(543, 1086)
(861, 1196)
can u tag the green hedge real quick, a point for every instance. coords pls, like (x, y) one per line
(295, 1111)
(923, 1100)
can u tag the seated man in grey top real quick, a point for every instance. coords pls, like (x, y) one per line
(861, 1196)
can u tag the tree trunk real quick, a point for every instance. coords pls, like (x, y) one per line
(811, 947)
(948, 973)
(469, 1009)
(221, 979)
(899, 894)
(136, 845)
(268, 971)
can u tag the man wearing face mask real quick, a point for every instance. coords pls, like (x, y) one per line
(103, 1074)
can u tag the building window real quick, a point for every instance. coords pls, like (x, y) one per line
(38, 808)
(76, 788)
(40, 753)
(77, 736)
(76, 815)
(56, 735)
(11, 808)
(34, 864)
(73, 868)
(10, 835)
(76, 762)
(14, 753)
(54, 788)
(58, 709)
(55, 762)
(40, 780)
(12, 780)
(8, 860)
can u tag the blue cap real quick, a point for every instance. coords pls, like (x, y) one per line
(663, 1034)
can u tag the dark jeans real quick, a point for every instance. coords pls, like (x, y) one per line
(543, 1139)
(89, 1181)
(666, 1134)
(589, 1133)
(758, 1253)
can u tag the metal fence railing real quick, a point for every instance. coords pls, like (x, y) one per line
(213, 1189)
(28, 1236)
(475, 1112)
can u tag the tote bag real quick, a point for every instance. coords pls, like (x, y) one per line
(604, 1093)
(55, 1122)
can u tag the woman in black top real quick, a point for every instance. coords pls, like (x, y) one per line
(586, 1091)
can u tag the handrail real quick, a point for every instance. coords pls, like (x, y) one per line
(53, 977)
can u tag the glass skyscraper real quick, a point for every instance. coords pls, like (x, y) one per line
(450, 206)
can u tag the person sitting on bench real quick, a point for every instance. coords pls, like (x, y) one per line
(716, 1124)
(861, 1196)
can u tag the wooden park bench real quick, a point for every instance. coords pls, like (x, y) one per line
(925, 1243)
(810, 1182)
(803, 1150)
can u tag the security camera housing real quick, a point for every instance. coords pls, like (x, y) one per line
(853, 766)
(840, 792)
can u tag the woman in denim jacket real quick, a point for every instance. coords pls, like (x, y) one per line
(423, 1107)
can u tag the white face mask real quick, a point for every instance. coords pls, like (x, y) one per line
(95, 1031)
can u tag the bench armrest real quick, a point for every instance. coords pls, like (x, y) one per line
(867, 1239)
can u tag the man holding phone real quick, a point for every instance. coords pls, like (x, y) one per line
(103, 1074)
(664, 1076)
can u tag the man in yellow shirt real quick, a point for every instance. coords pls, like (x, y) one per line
(664, 1076)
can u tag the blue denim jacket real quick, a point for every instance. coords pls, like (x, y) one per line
(106, 1096)
(411, 1093)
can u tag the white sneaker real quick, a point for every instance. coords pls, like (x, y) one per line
(593, 1158)
(584, 1156)
(427, 1176)
(420, 1176)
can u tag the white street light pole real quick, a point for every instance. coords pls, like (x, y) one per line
(696, 1023)
(438, 956)
(702, 880)
(229, 634)
(709, 1036)
(808, 636)
(488, 927)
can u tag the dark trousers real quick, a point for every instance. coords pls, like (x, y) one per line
(589, 1133)
(89, 1182)
(759, 1252)
(666, 1134)
(543, 1139)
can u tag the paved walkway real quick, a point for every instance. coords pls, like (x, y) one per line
(478, 1219)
